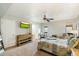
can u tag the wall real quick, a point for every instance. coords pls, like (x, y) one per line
(36, 30)
(22, 30)
(8, 32)
(9, 29)
(58, 27)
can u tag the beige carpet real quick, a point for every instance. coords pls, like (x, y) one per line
(28, 49)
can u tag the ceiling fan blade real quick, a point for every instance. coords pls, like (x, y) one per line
(47, 20)
(51, 19)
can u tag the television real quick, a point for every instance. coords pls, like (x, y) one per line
(24, 25)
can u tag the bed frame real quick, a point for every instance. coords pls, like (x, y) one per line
(54, 49)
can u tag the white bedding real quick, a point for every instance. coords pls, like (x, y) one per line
(58, 42)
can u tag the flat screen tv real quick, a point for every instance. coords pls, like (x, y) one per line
(24, 25)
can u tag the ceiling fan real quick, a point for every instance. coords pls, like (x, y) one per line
(47, 19)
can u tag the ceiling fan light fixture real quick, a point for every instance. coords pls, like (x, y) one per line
(47, 19)
(44, 18)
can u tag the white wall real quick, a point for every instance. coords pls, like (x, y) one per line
(22, 30)
(8, 32)
(58, 27)
(10, 28)
(36, 30)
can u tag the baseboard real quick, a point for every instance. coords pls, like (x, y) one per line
(14, 46)
(10, 47)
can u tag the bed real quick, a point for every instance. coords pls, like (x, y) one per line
(55, 46)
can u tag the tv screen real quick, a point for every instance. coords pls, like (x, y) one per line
(24, 25)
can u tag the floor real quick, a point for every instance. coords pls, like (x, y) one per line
(28, 49)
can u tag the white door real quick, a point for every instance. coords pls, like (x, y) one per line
(8, 32)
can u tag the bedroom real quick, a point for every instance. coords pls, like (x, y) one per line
(48, 21)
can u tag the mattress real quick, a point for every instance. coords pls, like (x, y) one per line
(58, 42)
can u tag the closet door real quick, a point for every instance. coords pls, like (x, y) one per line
(8, 32)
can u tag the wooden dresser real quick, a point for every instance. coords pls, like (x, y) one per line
(23, 38)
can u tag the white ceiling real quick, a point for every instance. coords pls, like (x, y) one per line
(35, 12)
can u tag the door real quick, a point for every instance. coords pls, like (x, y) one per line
(8, 32)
